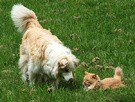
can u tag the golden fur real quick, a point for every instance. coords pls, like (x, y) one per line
(93, 82)
(37, 38)
(41, 53)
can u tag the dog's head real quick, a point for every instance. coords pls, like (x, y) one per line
(66, 65)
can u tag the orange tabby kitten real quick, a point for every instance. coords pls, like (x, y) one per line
(93, 82)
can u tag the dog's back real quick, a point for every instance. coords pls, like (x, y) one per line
(35, 36)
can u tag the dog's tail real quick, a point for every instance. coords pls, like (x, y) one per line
(23, 18)
(118, 73)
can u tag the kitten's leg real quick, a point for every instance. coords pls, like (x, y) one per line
(91, 87)
(85, 88)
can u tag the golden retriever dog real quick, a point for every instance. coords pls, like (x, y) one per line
(42, 55)
(93, 82)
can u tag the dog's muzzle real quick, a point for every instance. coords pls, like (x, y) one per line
(71, 80)
(68, 77)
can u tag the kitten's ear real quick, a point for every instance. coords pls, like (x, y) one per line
(86, 73)
(94, 76)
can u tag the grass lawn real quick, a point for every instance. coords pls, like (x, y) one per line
(96, 28)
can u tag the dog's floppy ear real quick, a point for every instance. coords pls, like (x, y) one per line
(62, 63)
(75, 60)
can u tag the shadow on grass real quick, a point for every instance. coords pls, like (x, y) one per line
(75, 85)
(72, 86)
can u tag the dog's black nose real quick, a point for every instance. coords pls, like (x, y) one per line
(71, 80)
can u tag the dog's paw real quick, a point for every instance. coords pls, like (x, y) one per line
(50, 90)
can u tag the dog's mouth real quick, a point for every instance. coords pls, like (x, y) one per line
(70, 80)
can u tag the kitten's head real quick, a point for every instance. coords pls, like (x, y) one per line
(90, 79)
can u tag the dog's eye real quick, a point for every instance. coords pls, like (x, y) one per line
(66, 70)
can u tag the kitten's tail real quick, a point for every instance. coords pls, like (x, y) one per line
(118, 73)
(23, 18)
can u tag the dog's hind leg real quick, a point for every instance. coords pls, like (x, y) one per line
(33, 73)
(23, 64)
(32, 78)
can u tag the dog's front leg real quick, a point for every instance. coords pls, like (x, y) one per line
(54, 83)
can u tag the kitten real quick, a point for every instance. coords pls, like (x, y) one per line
(93, 82)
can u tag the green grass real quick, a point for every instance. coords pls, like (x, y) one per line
(96, 28)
